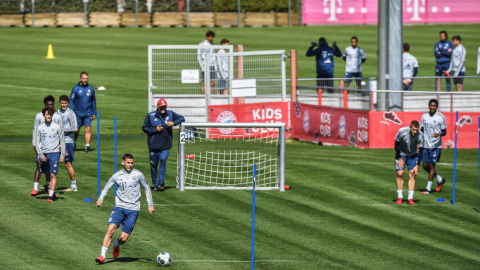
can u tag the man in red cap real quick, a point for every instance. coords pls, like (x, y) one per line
(158, 126)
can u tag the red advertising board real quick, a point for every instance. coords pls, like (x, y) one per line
(271, 112)
(332, 125)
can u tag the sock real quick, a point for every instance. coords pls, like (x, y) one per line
(74, 183)
(104, 251)
(439, 178)
(410, 194)
(51, 192)
(400, 194)
(429, 185)
(87, 145)
(48, 188)
(116, 244)
(35, 185)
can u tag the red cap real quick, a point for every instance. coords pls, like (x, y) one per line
(162, 102)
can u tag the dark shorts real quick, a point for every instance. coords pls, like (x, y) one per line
(440, 68)
(410, 162)
(459, 80)
(354, 74)
(431, 155)
(212, 74)
(51, 165)
(127, 218)
(222, 85)
(86, 121)
(69, 150)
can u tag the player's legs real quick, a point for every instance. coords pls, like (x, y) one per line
(163, 155)
(459, 82)
(445, 67)
(128, 223)
(348, 75)
(399, 181)
(79, 125)
(212, 80)
(410, 86)
(359, 82)
(53, 159)
(108, 236)
(36, 176)
(154, 158)
(88, 132)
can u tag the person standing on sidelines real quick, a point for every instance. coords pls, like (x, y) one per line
(354, 57)
(434, 126)
(210, 36)
(49, 102)
(457, 65)
(324, 58)
(406, 155)
(410, 67)
(84, 104)
(50, 148)
(127, 205)
(69, 127)
(222, 68)
(443, 53)
(158, 125)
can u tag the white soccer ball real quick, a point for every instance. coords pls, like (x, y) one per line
(164, 259)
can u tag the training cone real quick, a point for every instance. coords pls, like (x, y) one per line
(441, 200)
(50, 52)
(88, 200)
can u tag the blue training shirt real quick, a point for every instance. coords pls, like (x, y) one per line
(324, 56)
(82, 100)
(442, 47)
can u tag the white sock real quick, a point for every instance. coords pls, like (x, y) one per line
(116, 244)
(87, 145)
(429, 185)
(400, 194)
(74, 183)
(439, 178)
(104, 251)
(51, 192)
(35, 185)
(410, 194)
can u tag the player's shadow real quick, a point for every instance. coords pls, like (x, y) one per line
(83, 150)
(126, 260)
(46, 197)
(406, 201)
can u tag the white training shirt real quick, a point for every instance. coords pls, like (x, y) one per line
(39, 119)
(354, 58)
(222, 65)
(409, 63)
(50, 139)
(201, 54)
(433, 124)
(69, 124)
(128, 191)
(457, 64)
(408, 143)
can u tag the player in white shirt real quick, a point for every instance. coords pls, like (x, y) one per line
(127, 204)
(354, 57)
(69, 127)
(222, 68)
(406, 155)
(410, 67)
(201, 60)
(434, 126)
(457, 65)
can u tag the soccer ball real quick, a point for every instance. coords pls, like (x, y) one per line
(164, 259)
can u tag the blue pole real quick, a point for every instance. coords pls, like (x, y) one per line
(98, 150)
(253, 213)
(115, 141)
(455, 159)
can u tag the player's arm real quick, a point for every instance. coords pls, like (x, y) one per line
(337, 52)
(72, 119)
(311, 51)
(148, 193)
(447, 52)
(147, 127)
(105, 190)
(61, 137)
(177, 118)
(200, 57)
(36, 123)
(71, 103)
(364, 57)
(461, 57)
(38, 143)
(344, 56)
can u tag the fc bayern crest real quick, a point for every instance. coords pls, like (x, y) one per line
(342, 129)
(226, 117)
(306, 124)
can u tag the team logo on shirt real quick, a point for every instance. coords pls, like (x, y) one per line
(88, 90)
(167, 118)
(80, 91)
(226, 117)
(306, 124)
(342, 126)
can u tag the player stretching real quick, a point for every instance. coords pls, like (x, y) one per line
(127, 204)
(69, 127)
(50, 148)
(406, 155)
(434, 126)
(49, 101)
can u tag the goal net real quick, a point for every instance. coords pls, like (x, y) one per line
(222, 155)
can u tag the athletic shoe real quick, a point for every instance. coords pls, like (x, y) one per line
(161, 187)
(116, 251)
(44, 187)
(411, 201)
(87, 149)
(399, 201)
(34, 192)
(49, 199)
(156, 188)
(100, 259)
(440, 185)
(71, 189)
(426, 192)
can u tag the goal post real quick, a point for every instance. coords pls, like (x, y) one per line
(221, 156)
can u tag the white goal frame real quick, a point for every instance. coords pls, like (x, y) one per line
(280, 181)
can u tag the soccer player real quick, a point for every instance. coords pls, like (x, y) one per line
(324, 58)
(410, 67)
(434, 126)
(158, 125)
(443, 53)
(49, 101)
(69, 127)
(222, 67)
(457, 65)
(50, 148)
(210, 36)
(84, 104)
(406, 155)
(354, 57)
(127, 204)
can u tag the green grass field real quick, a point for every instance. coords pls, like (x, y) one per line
(339, 214)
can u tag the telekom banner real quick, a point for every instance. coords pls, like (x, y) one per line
(414, 11)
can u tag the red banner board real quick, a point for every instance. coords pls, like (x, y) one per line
(331, 125)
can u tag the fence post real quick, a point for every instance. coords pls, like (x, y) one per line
(188, 13)
(238, 12)
(451, 102)
(319, 97)
(293, 75)
(289, 12)
(85, 20)
(33, 13)
(372, 105)
(345, 99)
(438, 89)
(239, 72)
(136, 13)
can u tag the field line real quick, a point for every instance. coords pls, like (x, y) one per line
(35, 88)
(178, 204)
(393, 204)
(221, 261)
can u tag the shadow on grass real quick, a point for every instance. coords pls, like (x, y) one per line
(126, 260)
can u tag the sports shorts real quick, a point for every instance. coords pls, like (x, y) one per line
(50, 166)
(410, 162)
(212, 74)
(353, 74)
(87, 121)
(431, 155)
(459, 80)
(126, 217)
(69, 150)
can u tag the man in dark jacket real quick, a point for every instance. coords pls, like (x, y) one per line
(158, 125)
(324, 56)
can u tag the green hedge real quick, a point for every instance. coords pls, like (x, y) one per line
(253, 5)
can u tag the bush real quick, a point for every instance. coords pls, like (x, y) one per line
(253, 5)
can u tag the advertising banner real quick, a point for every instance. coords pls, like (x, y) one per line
(414, 11)
(331, 125)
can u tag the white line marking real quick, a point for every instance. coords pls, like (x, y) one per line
(35, 88)
(393, 204)
(220, 261)
(178, 204)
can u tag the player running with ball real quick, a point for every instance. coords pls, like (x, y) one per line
(406, 155)
(127, 204)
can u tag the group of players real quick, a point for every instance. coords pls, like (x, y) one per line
(414, 145)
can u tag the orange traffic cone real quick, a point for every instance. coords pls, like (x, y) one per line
(50, 52)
